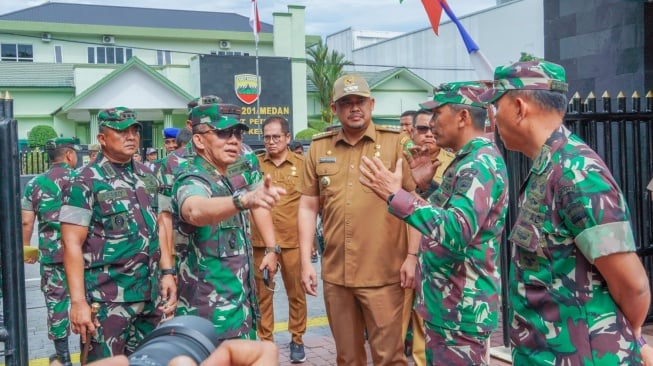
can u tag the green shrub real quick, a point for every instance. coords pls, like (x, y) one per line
(306, 134)
(39, 135)
(320, 126)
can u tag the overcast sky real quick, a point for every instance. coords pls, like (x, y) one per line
(323, 17)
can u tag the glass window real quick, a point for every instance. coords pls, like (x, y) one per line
(58, 54)
(108, 55)
(111, 55)
(101, 55)
(16, 52)
(120, 55)
(91, 55)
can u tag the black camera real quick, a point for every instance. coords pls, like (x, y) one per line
(186, 335)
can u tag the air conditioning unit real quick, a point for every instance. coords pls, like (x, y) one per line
(46, 37)
(225, 45)
(108, 39)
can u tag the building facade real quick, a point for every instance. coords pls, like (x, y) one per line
(63, 63)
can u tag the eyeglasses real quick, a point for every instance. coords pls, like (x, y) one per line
(271, 138)
(226, 134)
(349, 103)
(422, 129)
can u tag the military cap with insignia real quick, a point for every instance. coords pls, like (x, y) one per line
(119, 118)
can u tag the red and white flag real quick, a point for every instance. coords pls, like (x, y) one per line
(254, 21)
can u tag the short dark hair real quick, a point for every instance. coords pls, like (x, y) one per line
(409, 112)
(285, 126)
(545, 99)
(419, 113)
(293, 145)
(57, 155)
(183, 137)
(477, 114)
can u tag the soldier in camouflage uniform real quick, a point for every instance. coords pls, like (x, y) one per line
(578, 290)
(111, 251)
(42, 200)
(461, 223)
(166, 174)
(210, 198)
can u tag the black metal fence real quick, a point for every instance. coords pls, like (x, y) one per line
(623, 138)
(33, 162)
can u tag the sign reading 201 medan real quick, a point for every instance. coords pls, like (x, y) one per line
(233, 78)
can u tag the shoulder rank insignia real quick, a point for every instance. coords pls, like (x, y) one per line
(388, 128)
(325, 134)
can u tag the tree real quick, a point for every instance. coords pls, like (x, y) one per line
(324, 69)
(39, 135)
(525, 56)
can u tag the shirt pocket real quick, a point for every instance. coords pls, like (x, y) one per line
(116, 218)
(326, 174)
(231, 238)
(532, 264)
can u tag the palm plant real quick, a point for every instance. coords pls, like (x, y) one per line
(325, 68)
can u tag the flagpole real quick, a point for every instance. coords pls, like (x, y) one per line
(258, 91)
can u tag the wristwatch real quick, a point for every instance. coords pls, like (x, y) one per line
(237, 202)
(276, 249)
(168, 271)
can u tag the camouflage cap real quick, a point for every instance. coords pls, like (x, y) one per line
(60, 142)
(208, 99)
(119, 118)
(529, 75)
(465, 92)
(350, 85)
(210, 115)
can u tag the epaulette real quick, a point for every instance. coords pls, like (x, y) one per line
(388, 128)
(322, 135)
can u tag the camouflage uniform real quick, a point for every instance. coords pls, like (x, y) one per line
(117, 202)
(216, 279)
(461, 224)
(571, 213)
(43, 197)
(170, 167)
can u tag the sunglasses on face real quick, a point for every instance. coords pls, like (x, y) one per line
(226, 134)
(422, 129)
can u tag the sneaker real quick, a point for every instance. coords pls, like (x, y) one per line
(297, 354)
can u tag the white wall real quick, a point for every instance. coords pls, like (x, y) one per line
(502, 33)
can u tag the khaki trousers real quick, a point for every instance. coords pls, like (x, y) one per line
(290, 272)
(351, 310)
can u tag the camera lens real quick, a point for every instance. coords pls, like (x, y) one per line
(186, 335)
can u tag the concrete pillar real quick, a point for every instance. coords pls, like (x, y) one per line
(167, 118)
(93, 126)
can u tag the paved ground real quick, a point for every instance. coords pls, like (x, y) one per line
(319, 345)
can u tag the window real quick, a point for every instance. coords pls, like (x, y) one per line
(109, 55)
(16, 52)
(163, 57)
(58, 54)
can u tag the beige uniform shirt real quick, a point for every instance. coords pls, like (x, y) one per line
(284, 213)
(446, 158)
(365, 245)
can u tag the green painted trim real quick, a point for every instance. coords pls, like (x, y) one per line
(278, 14)
(298, 60)
(40, 88)
(133, 62)
(61, 29)
(296, 7)
(401, 70)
